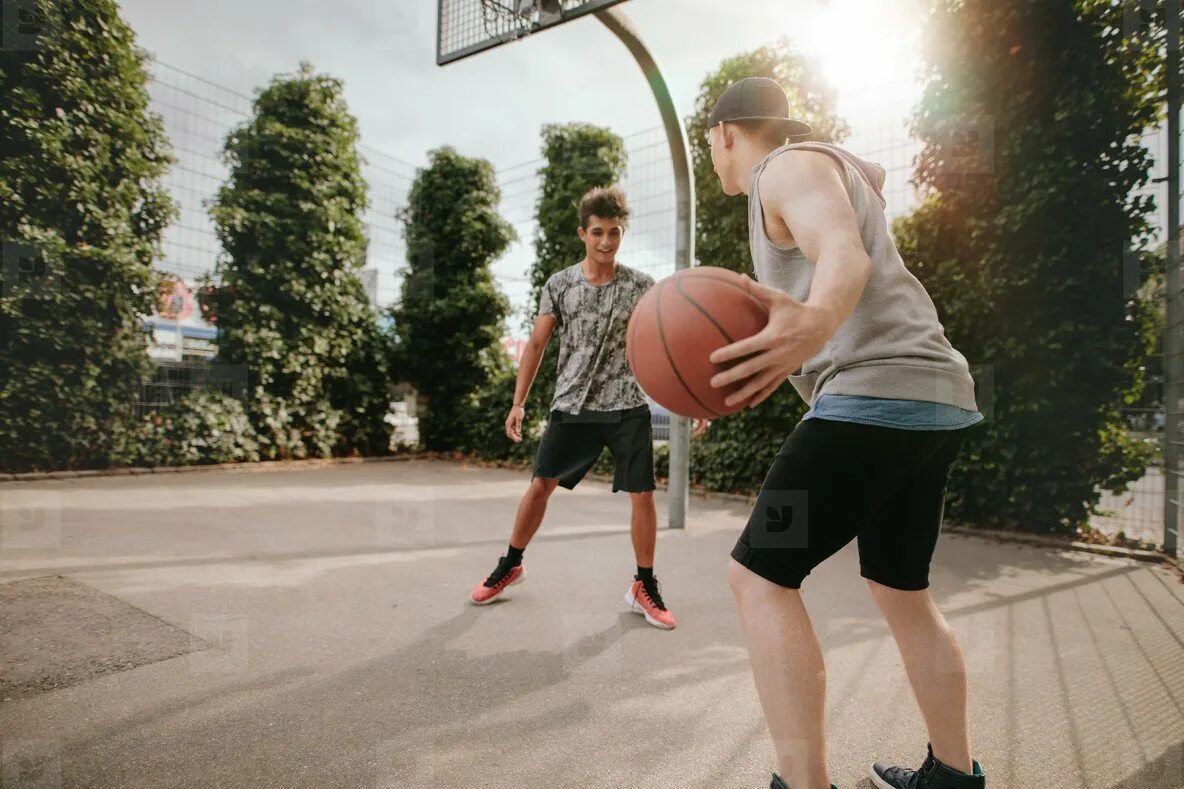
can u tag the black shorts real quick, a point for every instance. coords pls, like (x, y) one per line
(569, 448)
(833, 481)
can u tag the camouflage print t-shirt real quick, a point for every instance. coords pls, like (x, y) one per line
(593, 372)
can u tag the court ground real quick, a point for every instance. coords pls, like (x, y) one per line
(310, 628)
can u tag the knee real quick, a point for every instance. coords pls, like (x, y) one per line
(742, 580)
(882, 591)
(885, 596)
(643, 498)
(541, 488)
(894, 602)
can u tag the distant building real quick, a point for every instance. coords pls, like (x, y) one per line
(514, 347)
(370, 283)
(177, 330)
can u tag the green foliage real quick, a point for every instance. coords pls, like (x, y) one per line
(1135, 38)
(736, 452)
(81, 217)
(449, 324)
(662, 461)
(205, 427)
(1022, 245)
(579, 157)
(289, 304)
(481, 416)
(294, 428)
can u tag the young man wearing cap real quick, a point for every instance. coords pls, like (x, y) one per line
(597, 401)
(859, 338)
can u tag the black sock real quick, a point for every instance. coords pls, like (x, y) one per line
(645, 574)
(514, 556)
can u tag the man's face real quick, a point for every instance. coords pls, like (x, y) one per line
(720, 140)
(602, 239)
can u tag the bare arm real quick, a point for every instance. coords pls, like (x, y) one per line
(805, 191)
(528, 369)
(532, 356)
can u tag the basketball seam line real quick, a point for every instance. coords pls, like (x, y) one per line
(705, 313)
(722, 281)
(669, 358)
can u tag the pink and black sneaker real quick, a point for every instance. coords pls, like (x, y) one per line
(646, 598)
(502, 577)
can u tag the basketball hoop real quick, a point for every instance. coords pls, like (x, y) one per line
(504, 22)
(466, 27)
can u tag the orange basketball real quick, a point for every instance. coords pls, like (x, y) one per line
(676, 326)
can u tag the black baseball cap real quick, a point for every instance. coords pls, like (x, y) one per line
(756, 99)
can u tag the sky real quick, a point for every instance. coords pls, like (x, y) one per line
(494, 104)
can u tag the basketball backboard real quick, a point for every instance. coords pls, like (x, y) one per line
(466, 27)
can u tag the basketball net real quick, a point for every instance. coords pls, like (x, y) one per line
(502, 17)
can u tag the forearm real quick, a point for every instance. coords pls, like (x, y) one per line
(528, 368)
(840, 276)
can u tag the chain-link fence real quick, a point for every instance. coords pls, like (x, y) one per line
(1138, 512)
(170, 382)
(198, 114)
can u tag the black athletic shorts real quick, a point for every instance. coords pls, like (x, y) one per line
(572, 444)
(833, 481)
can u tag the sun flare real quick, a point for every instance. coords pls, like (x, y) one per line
(869, 51)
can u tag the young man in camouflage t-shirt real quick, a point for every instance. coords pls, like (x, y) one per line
(597, 400)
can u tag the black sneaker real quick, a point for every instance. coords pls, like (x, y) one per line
(504, 575)
(779, 784)
(932, 775)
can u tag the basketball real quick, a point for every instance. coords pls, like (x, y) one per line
(676, 326)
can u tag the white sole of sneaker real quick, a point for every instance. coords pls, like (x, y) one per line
(878, 782)
(498, 596)
(637, 609)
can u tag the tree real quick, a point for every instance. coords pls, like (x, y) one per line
(1030, 121)
(289, 304)
(735, 454)
(450, 321)
(82, 212)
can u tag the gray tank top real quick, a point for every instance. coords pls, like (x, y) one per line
(892, 345)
